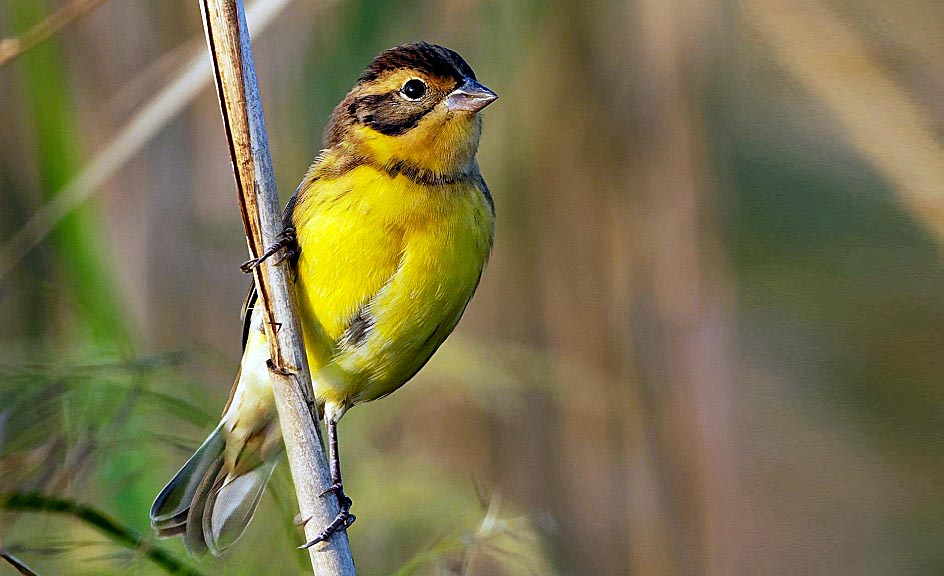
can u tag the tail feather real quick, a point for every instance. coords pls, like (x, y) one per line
(170, 507)
(231, 505)
(207, 506)
(194, 537)
(171, 527)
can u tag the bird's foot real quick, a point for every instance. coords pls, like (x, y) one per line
(286, 239)
(341, 522)
(336, 488)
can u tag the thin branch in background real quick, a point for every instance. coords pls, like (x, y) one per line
(692, 313)
(10, 48)
(141, 127)
(17, 564)
(33, 502)
(238, 92)
(880, 119)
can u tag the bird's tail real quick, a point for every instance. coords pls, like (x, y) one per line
(206, 504)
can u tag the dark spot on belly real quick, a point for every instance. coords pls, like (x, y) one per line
(357, 330)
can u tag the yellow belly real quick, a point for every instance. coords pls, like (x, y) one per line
(402, 258)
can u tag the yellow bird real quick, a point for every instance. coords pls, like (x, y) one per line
(390, 230)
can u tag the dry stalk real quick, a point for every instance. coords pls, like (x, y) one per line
(238, 91)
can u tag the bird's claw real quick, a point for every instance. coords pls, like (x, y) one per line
(285, 239)
(289, 254)
(334, 489)
(341, 522)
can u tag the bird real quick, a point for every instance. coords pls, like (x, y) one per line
(388, 234)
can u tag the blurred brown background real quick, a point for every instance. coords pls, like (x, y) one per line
(709, 340)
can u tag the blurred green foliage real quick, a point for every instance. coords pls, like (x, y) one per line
(77, 240)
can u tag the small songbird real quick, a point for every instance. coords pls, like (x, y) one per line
(389, 232)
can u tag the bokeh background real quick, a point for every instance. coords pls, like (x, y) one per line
(710, 340)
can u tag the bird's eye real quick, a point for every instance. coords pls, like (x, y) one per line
(413, 89)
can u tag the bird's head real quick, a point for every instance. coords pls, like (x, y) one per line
(416, 105)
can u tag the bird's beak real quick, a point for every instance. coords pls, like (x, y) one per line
(470, 97)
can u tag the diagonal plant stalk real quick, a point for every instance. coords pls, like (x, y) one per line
(238, 92)
(150, 118)
(33, 502)
(879, 118)
(17, 564)
(77, 240)
(10, 48)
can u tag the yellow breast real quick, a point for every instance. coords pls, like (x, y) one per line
(386, 269)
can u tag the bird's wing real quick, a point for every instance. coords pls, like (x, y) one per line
(245, 314)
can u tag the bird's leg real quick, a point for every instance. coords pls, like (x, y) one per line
(285, 239)
(344, 517)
